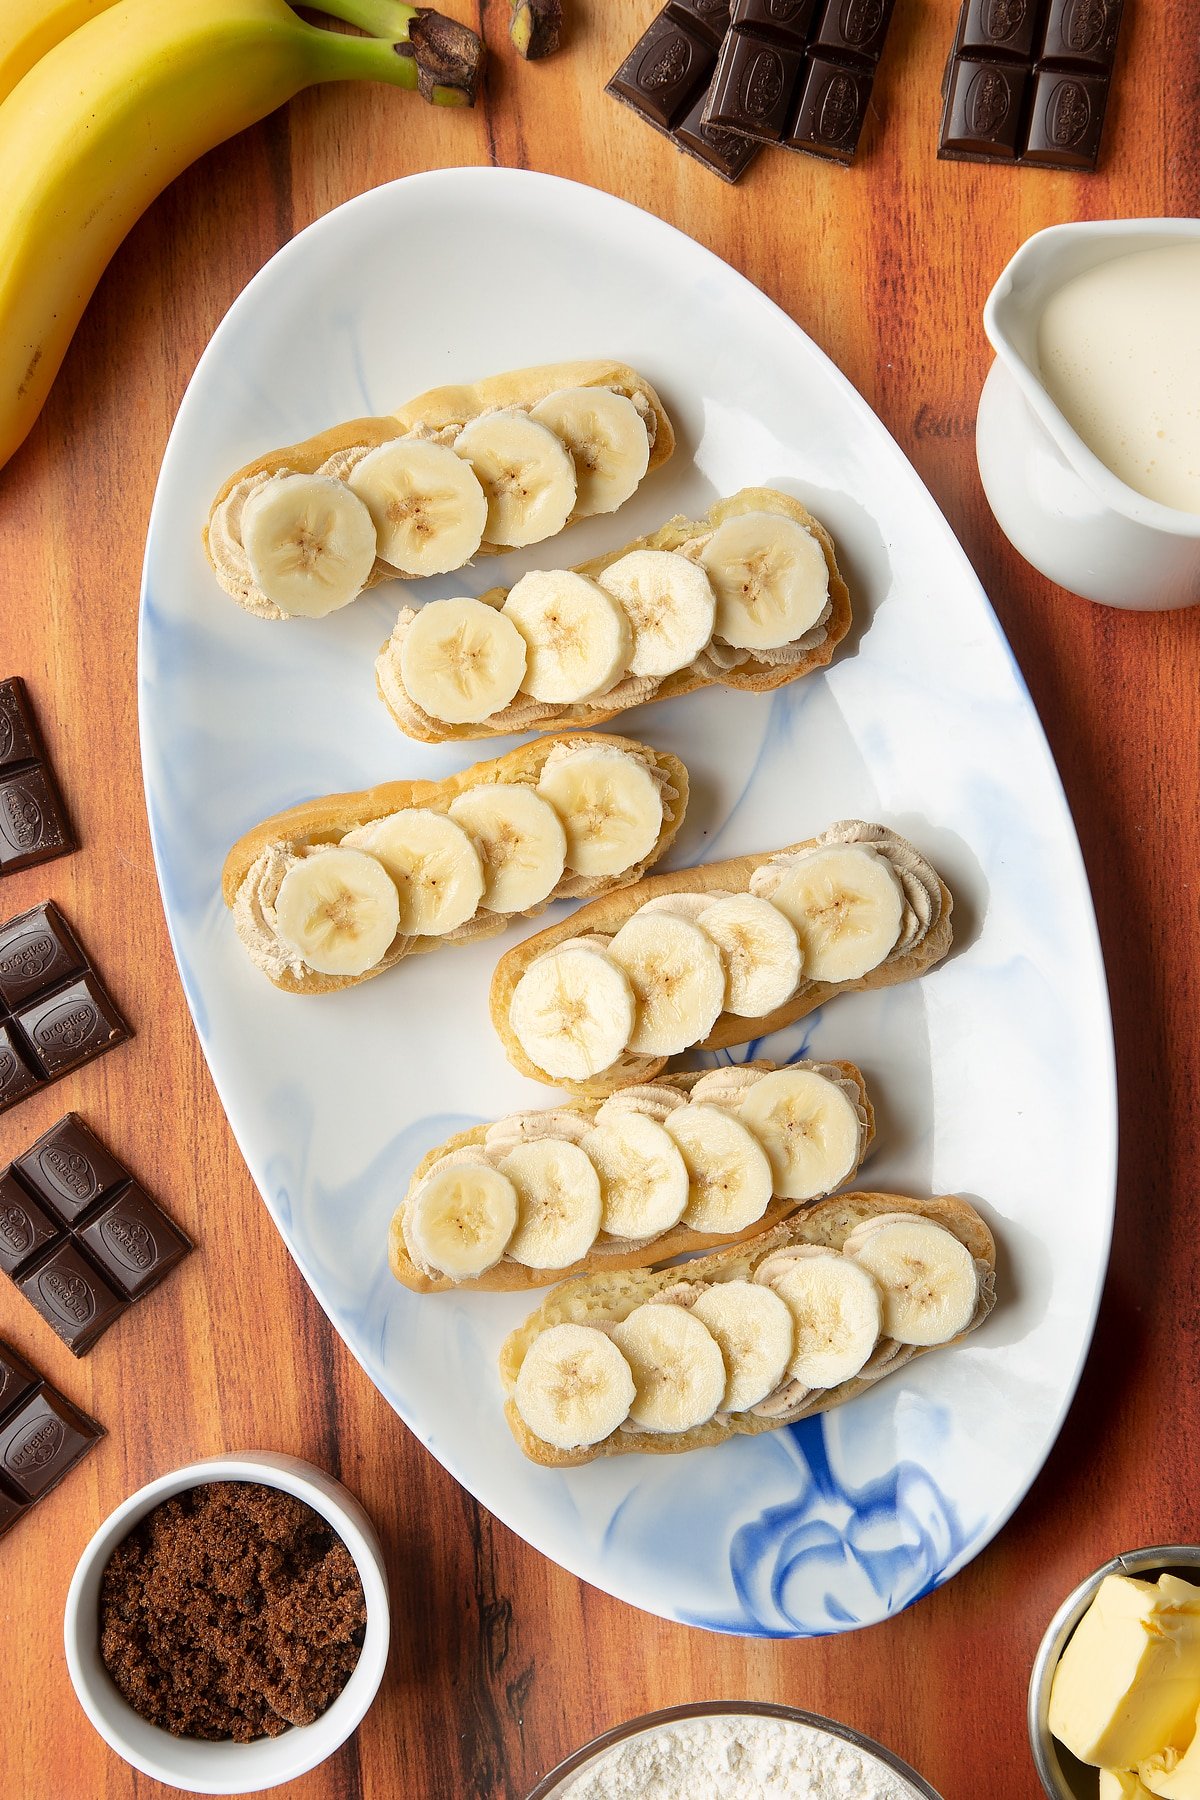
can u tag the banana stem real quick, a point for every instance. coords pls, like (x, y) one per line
(409, 46)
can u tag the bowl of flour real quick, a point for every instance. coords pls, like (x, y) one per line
(734, 1750)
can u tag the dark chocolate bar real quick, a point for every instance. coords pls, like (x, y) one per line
(42, 1437)
(55, 1012)
(79, 1237)
(33, 821)
(799, 73)
(1028, 81)
(665, 79)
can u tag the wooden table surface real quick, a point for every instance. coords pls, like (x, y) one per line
(502, 1663)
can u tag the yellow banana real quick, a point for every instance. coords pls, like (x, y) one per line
(111, 114)
(29, 28)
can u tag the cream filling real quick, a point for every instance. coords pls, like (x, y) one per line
(524, 713)
(257, 924)
(228, 553)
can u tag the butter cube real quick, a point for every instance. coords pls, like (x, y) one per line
(1127, 1686)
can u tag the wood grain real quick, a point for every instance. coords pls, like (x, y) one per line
(502, 1663)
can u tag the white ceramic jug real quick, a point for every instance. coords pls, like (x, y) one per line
(1055, 501)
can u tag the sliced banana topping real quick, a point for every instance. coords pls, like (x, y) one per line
(574, 1386)
(928, 1279)
(809, 1128)
(339, 910)
(460, 1219)
(836, 1316)
(558, 1203)
(760, 951)
(607, 440)
(434, 864)
(577, 639)
(845, 904)
(428, 508)
(521, 843)
(670, 605)
(678, 1370)
(525, 1128)
(770, 579)
(680, 906)
(645, 1098)
(676, 975)
(729, 1176)
(310, 543)
(462, 661)
(610, 805)
(526, 474)
(753, 1329)
(643, 1178)
(573, 1011)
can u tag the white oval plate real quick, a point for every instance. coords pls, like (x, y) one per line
(993, 1077)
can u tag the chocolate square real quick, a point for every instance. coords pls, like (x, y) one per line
(17, 1078)
(73, 1297)
(982, 118)
(25, 1229)
(73, 1025)
(709, 17)
(1081, 33)
(786, 19)
(44, 1439)
(134, 1242)
(33, 825)
(17, 1379)
(751, 89)
(69, 1168)
(853, 28)
(727, 153)
(832, 107)
(11, 1510)
(998, 28)
(1066, 118)
(664, 71)
(19, 740)
(37, 951)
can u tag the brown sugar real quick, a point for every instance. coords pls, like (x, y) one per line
(232, 1611)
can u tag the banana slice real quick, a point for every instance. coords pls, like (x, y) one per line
(643, 1178)
(558, 1203)
(729, 1177)
(675, 972)
(526, 475)
(428, 506)
(678, 1369)
(681, 906)
(836, 1317)
(809, 1128)
(520, 840)
(846, 906)
(608, 442)
(770, 578)
(577, 639)
(928, 1278)
(462, 661)
(461, 1218)
(434, 865)
(310, 543)
(574, 1387)
(760, 950)
(339, 910)
(610, 805)
(670, 605)
(753, 1328)
(572, 1012)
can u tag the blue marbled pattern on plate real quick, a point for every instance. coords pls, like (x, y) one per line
(993, 1077)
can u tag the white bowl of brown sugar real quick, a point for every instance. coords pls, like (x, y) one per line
(227, 1627)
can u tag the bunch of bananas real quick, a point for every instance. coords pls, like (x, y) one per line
(103, 102)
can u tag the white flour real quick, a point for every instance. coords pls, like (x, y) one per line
(738, 1758)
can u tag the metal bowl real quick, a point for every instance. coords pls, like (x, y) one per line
(554, 1785)
(1063, 1776)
